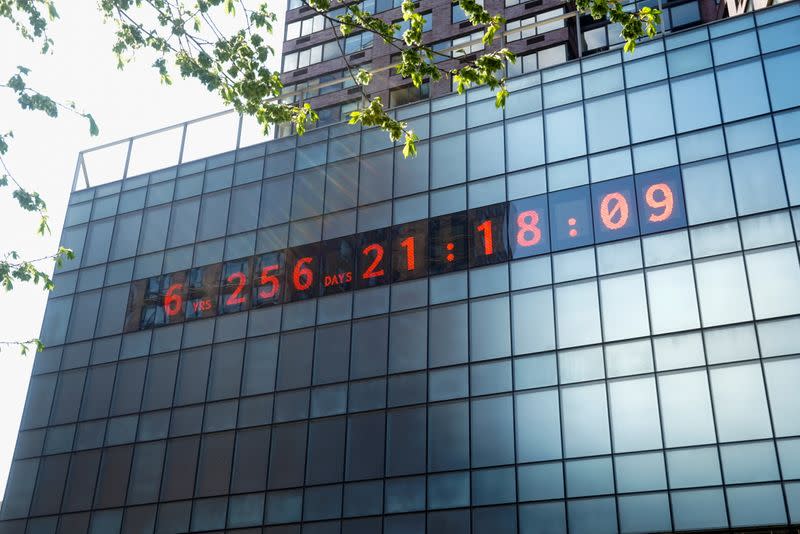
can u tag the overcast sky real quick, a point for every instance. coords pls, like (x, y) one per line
(44, 152)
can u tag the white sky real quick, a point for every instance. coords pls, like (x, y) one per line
(44, 151)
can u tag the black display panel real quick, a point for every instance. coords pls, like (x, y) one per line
(661, 204)
(202, 289)
(268, 281)
(173, 291)
(153, 310)
(488, 233)
(577, 217)
(615, 214)
(447, 241)
(571, 218)
(235, 286)
(528, 227)
(302, 272)
(374, 258)
(337, 263)
(410, 251)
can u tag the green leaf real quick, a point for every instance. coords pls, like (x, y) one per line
(410, 145)
(363, 77)
(230, 8)
(500, 97)
(93, 129)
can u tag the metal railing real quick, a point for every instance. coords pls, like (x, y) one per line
(119, 160)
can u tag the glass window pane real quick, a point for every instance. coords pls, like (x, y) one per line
(535, 371)
(781, 85)
(634, 414)
(742, 90)
(592, 515)
(489, 315)
(578, 314)
(154, 229)
(126, 235)
(650, 112)
(722, 290)
(756, 505)
(365, 446)
(585, 420)
(448, 165)
(672, 298)
(375, 184)
(560, 127)
(307, 193)
(275, 201)
(624, 309)
(784, 395)
(749, 462)
(581, 364)
(695, 101)
(213, 216)
(524, 142)
(707, 187)
(694, 467)
(98, 240)
(645, 513)
(448, 436)
(686, 409)
(740, 402)
(774, 282)
(540, 481)
(757, 181)
(243, 213)
(699, 509)
(606, 123)
(484, 145)
(405, 441)
(492, 427)
(450, 345)
(640, 472)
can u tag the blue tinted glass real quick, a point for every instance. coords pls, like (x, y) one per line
(695, 101)
(571, 218)
(528, 232)
(737, 46)
(606, 122)
(660, 196)
(689, 59)
(781, 75)
(560, 127)
(742, 90)
(615, 214)
(649, 112)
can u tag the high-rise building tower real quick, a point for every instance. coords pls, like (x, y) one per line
(578, 314)
(549, 34)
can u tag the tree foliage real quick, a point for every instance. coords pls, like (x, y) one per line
(30, 19)
(187, 36)
(223, 44)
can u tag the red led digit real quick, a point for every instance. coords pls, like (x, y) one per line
(371, 271)
(528, 234)
(270, 279)
(173, 300)
(236, 297)
(302, 276)
(408, 244)
(486, 228)
(614, 206)
(667, 201)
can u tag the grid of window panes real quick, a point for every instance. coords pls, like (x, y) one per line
(644, 385)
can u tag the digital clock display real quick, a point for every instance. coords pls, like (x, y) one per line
(561, 220)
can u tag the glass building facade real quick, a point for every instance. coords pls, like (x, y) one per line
(645, 384)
